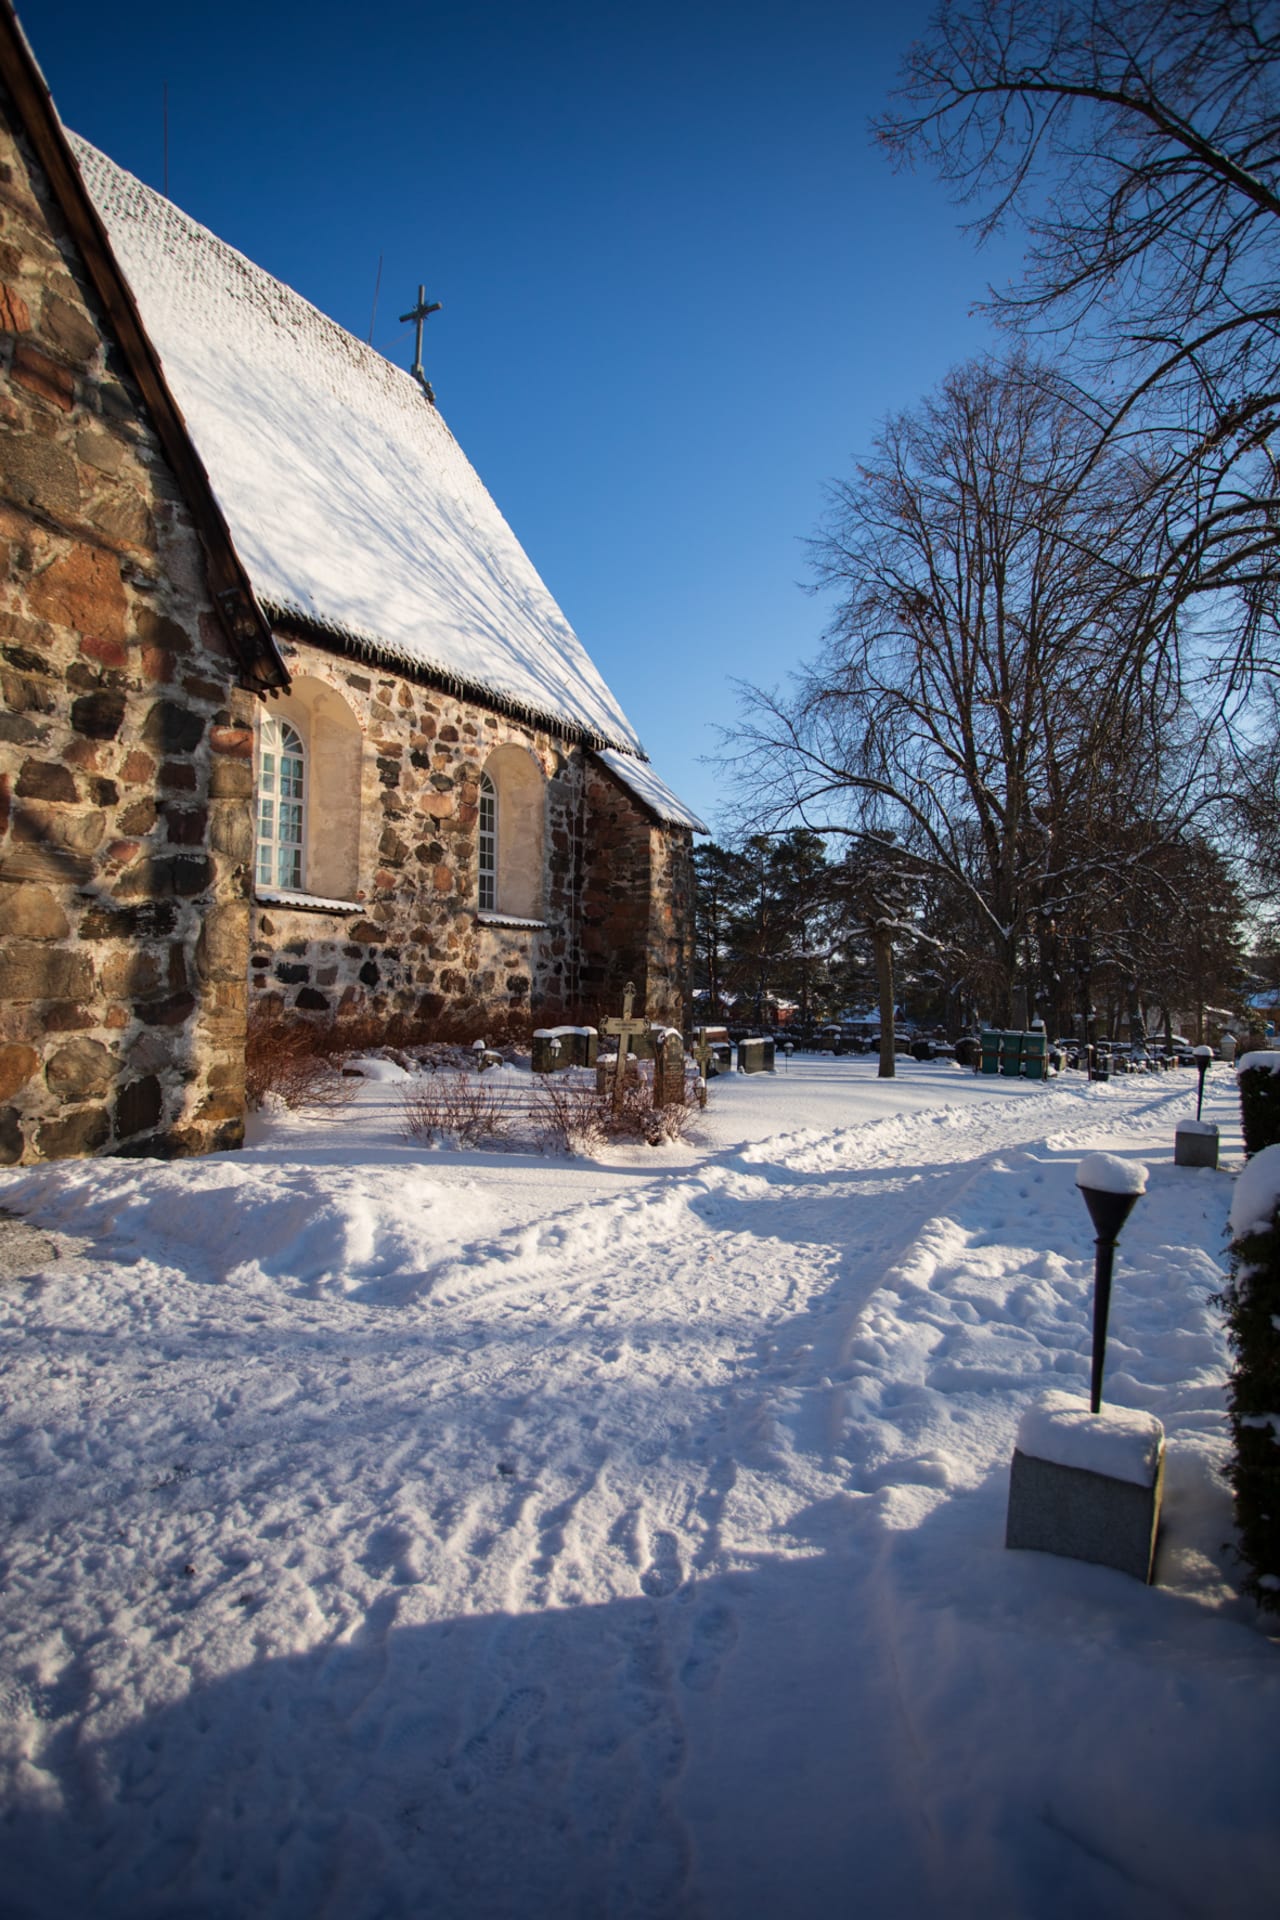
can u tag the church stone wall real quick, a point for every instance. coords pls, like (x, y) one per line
(636, 903)
(410, 942)
(125, 823)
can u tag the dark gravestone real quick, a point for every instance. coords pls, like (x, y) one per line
(668, 1068)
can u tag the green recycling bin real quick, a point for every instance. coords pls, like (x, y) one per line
(1011, 1053)
(990, 1052)
(1035, 1056)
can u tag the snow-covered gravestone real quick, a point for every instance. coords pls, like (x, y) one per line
(1195, 1142)
(1087, 1480)
(555, 1047)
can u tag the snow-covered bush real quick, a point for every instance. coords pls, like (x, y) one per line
(1258, 1075)
(1252, 1303)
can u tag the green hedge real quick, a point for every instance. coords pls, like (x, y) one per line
(1260, 1108)
(1252, 1304)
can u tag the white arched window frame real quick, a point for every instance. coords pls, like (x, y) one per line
(282, 799)
(487, 860)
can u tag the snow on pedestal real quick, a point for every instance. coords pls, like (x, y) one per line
(1195, 1144)
(1087, 1485)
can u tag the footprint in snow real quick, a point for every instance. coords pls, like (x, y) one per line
(715, 1633)
(665, 1572)
(489, 1753)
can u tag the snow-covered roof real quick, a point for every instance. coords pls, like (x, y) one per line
(639, 777)
(350, 502)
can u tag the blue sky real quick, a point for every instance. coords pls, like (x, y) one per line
(680, 286)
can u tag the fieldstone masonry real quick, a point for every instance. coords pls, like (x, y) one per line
(637, 903)
(125, 780)
(411, 941)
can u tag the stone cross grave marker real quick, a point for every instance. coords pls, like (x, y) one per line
(702, 1053)
(623, 1029)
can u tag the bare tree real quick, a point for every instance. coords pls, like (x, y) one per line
(1139, 143)
(989, 693)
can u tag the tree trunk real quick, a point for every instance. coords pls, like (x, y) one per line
(884, 975)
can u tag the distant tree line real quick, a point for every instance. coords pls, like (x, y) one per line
(793, 921)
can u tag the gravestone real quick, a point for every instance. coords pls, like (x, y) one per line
(755, 1056)
(704, 1058)
(716, 1040)
(556, 1047)
(668, 1067)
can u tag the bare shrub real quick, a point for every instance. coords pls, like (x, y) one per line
(640, 1118)
(574, 1117)
(295, 1062)
(452, 1109)
(570, 1115)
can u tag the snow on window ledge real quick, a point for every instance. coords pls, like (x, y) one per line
(305, 902)
(487, 919)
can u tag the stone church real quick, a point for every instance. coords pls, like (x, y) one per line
(289, 720)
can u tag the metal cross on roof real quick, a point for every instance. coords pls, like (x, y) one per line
(419, 314)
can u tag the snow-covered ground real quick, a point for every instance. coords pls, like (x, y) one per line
(392, 1532)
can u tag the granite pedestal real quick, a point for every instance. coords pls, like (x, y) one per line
(1195, 1144)
(1108, 1517)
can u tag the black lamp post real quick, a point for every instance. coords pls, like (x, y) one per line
(1203, 1055)
(1108, 1210)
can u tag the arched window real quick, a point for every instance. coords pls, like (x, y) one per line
(511, 835)
(488, 850)
(310, 749)
(281, 806)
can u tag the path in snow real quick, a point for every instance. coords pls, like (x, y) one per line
(379, 1542)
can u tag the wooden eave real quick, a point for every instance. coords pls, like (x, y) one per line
(247, 629)
(370, 653)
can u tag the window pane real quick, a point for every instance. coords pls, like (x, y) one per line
(487, 846)
(281, 795)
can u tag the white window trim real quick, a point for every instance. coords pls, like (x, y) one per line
(274, 737)
(487, 845)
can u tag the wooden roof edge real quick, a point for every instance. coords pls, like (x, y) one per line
(247, 628)
(639, 799)
(382, 657)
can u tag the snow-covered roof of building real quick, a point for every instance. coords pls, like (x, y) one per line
(639, 777)
(351, 504)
